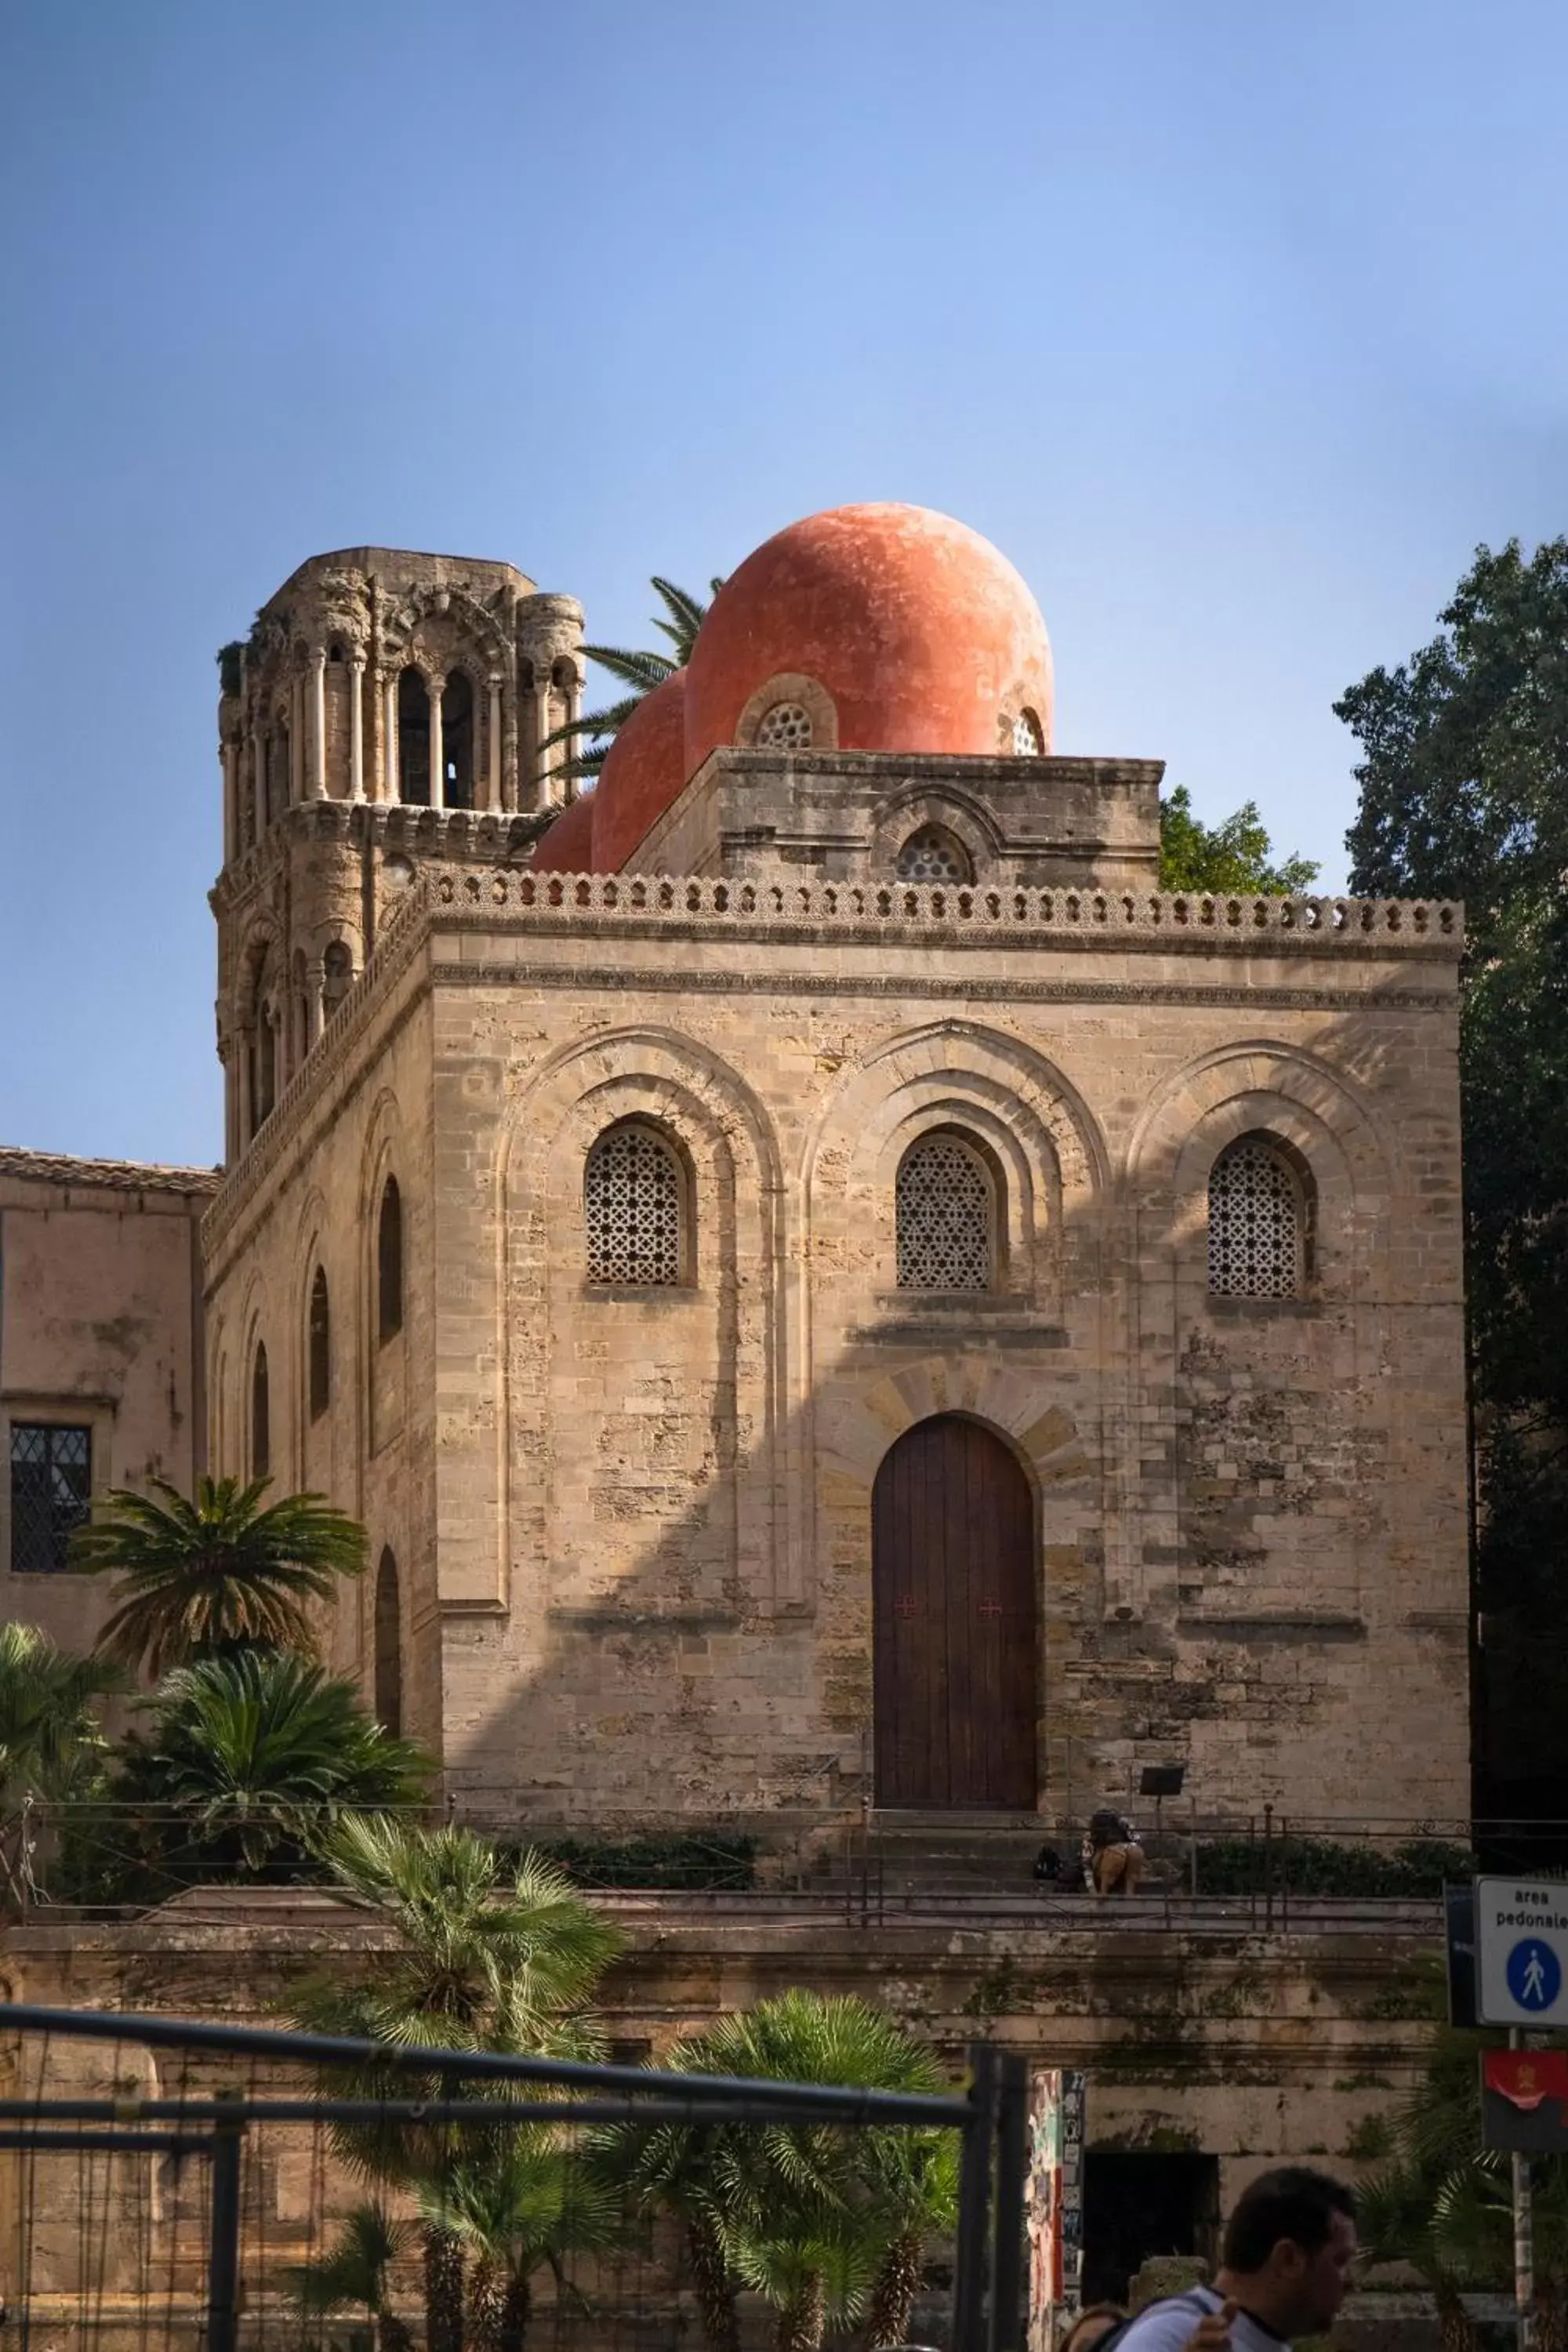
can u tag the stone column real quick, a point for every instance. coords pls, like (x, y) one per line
(356, 729)
(494, 745)
(438, 749)
(315, 985)
(230, 754)
(389, 790)
(319, 724)
(545, 786)
(245, 1042)
(258, 785)
(296, 741)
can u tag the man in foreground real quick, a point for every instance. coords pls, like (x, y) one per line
(1285, 2268)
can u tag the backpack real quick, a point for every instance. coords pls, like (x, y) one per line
(1193, 2301)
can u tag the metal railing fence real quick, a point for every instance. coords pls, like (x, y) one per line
(1269, 1870)
(218, 2126)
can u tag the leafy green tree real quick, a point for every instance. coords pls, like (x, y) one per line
(355, 2272)
(1443, 2204)
(483, 1960)
(223, 1572)
(591, 736)
(257, 1754)
(1464, 795)
(1234, 859)
(826, 2224)
(51, 1744)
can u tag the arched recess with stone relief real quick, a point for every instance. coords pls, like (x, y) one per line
(1281, 1407)
(641, 1423)
(976, 1081)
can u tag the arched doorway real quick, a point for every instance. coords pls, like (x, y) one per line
(953, 1584)
(388, 1647)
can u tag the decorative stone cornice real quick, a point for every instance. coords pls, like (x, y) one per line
(1056, 916)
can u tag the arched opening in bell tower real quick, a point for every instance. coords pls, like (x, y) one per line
(277, 773)
(413, 740)
(457, 741)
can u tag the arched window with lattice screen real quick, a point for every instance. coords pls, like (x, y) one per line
(945, 1211)
(635, 1209)
(1260, 1220)
(934, 855)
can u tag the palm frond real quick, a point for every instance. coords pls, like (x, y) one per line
(196, 1577)
(644, 670)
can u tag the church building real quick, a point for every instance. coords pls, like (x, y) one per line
(824, 1285)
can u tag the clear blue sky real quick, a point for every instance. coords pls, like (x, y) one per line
(1236, 326)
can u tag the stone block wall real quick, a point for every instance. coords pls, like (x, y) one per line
(646, 1594)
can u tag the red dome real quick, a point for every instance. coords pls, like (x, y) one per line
(924, 638)
(644, 774)
(568, 846)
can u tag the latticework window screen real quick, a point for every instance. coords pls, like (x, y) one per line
(1255, 1237)
(632, 1192)
(945, 1209)
(934, 855)
(786, 727)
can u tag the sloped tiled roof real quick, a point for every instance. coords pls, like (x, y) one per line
(113, 1175)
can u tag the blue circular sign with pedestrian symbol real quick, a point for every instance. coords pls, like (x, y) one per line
(1534, 1974)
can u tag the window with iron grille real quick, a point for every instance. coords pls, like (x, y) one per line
(1256, 1223)
(934, 855)
(51, 1493)
(632, 1204)
(945, 1210)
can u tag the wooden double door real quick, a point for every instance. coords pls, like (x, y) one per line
(956, 1633)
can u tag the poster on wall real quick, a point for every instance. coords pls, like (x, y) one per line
(1053, 2202)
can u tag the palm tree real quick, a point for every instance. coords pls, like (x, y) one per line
(356, 2271)
(642, 671)
(824, 2222)
(219, 1573)
(51, 1742)
(483, 1960)
(51, 1746)
(257, 1753)
(525, 2200)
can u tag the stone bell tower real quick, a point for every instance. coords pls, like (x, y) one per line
(388, 709)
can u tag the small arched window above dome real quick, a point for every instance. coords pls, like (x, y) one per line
(785, 727)
(1028, 736)
(934, 855)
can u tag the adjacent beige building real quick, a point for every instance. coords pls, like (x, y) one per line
(102, 1372)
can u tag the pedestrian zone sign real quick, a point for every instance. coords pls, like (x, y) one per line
(1521, 1951)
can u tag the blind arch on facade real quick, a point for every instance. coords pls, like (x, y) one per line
(319, 1345)
(260, 1415)
(634, 1212)
(389, 1262)
(945, 1201)
(1259, 1221)
(388, 1657)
